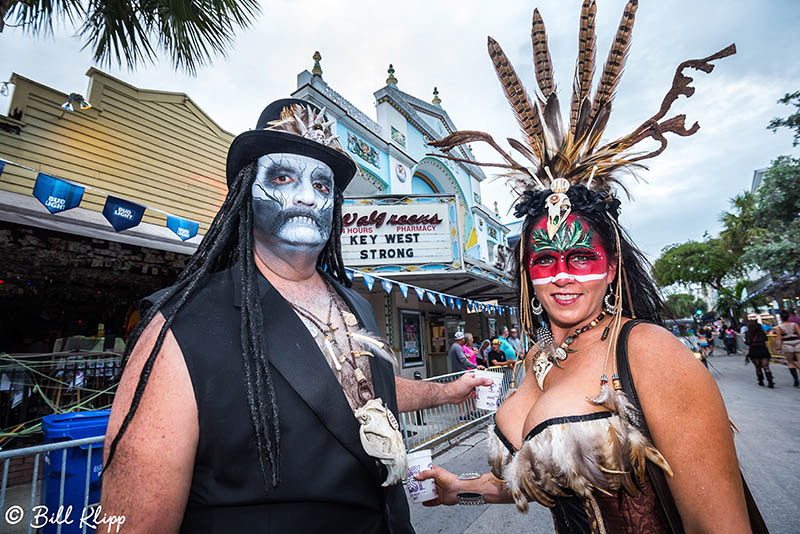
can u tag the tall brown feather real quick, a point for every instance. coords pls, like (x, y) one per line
(584, 113)
(526, 113)
(525, 151)
(616, 57)
(541, 56)
(584, 67)
(552, 119)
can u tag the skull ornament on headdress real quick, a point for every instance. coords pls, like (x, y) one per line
(558, 206)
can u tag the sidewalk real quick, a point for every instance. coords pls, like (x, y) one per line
(470, 455)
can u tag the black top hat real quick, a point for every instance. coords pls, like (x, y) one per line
(253, 144)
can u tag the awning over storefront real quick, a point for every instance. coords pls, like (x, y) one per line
(27, 210)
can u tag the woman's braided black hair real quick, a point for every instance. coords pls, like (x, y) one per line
(229, 240)
(601, 210)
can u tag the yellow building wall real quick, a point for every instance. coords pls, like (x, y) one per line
(151, 147)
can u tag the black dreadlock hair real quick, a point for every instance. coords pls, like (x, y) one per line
(229, 240)
(601, 210)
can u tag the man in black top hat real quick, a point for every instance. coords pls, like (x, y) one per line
(251, 380)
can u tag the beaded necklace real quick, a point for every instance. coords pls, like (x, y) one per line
(549, 355)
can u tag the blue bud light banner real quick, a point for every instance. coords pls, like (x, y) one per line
(122, 214)
(56, 195)
(2, 164)
(184, 228)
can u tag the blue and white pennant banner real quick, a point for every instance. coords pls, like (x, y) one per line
(387, 286)
(58, 194)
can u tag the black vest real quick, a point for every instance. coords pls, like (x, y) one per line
(327, 482)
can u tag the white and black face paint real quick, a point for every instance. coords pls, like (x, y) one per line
(292, 202)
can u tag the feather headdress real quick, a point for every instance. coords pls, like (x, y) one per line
(560, 154)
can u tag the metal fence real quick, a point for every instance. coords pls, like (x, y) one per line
(24, 513)
(25, 510)
(427, 428)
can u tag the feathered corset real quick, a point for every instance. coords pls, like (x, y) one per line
(573, 455)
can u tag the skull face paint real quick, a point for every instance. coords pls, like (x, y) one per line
(292, 202)
(575, 252)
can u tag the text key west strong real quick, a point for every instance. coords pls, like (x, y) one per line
(408, 232)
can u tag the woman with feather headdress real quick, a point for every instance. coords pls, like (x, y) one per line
(624, 459)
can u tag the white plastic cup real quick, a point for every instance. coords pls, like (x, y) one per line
(420, 490)
(488, 397)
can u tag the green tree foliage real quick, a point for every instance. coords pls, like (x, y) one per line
(742, 225)
(729, 299)
(191, 32)
(778, 206)
(695, 262)
(681, 305)
(792, 121)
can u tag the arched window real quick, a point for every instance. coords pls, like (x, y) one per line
(421, 184)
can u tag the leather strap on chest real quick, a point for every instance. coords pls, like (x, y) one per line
(656, 475)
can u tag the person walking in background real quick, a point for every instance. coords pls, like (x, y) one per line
(730, 340)
(469, 351)
(788, 343)
(710, 336)
(515, 342)
(505, 346)
(702, 340)
(458, 358)
(793, 318)
(756, 339)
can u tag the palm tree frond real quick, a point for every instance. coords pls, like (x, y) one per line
(37, 16)
(191, 32)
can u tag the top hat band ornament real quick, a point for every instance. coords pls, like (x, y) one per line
(292, 126)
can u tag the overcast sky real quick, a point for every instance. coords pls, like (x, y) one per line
(443, 44)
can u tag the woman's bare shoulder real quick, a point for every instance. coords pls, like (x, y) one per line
(658, 358)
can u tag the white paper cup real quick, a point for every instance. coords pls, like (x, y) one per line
(488, 397)
(420, 490)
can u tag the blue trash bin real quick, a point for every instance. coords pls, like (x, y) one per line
(65, 427)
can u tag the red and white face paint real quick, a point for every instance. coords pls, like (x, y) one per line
(574, 253)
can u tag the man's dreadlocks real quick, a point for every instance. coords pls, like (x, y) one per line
(229, 240)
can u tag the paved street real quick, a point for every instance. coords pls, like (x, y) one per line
(768, 446)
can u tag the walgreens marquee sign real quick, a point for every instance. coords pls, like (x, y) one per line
(376, 234)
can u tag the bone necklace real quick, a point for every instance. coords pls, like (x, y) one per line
(379, 430)
(327, 330)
